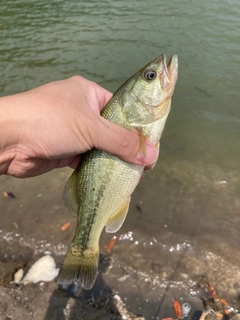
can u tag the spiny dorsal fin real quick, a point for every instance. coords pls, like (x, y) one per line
(69, 196)
(115, 222)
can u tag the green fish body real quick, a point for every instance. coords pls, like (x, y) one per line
(99, 190)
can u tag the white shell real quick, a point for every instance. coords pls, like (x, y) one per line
(18, 276)
(186, 308)
(42, 270)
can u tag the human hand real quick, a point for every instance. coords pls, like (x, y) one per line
(51, 126)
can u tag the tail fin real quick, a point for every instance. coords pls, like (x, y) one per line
(79, 266)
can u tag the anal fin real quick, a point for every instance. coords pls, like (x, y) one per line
(115, 222)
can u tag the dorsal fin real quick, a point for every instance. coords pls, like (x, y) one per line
(69, 196)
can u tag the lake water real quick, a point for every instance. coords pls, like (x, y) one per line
(195, 187)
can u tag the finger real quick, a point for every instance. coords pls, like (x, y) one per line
(153, 164)
(75, 162)
(71, 162)
(123, 143)
(103, 96)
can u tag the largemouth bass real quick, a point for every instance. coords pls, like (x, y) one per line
(99, 190)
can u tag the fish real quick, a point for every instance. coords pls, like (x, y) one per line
(100, 188)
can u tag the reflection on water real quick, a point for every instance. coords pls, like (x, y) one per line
(194, 189)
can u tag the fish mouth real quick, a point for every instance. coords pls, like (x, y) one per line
(170, 70)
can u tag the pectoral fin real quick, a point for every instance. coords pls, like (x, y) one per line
(142, 142)
(69, 196)
(115, 222)
(158, 148)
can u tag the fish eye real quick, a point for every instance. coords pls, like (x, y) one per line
(150, 74)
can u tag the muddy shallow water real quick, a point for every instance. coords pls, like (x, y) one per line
(149, 268)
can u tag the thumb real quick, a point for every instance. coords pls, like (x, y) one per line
(124, 144)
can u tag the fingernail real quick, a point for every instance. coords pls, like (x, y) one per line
(151, 155)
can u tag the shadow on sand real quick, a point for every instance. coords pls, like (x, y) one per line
(77, 303)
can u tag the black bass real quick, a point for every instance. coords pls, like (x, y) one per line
(99, 190)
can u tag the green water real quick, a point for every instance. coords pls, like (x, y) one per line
(107, 41)
(195, 186)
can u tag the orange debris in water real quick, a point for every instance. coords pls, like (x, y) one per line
(177, 309)
(65, 226)
(111, 244)
(224, 302)
(219, 315)
(212, 291)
